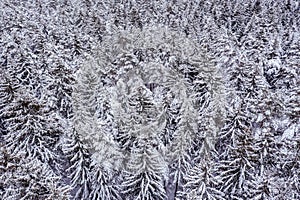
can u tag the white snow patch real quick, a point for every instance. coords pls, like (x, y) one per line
(289, 132)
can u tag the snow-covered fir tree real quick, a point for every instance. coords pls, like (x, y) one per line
(238, 157)
(202, 182)
(78, 166)
(23, 178)
(104, 184)
(144, 174)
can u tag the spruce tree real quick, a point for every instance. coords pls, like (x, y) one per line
(78, 170)
(23, 178)
(32, 128)
(104, 184)
(144, 175)
(202, 182)
(238, 157)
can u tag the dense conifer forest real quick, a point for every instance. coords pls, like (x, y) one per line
(149, 100)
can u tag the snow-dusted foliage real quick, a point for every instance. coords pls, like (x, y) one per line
(104, 184)
(202, 182)
(151, 99)
(149, 86)
(143, 177)
(21, 178)
(78, 166)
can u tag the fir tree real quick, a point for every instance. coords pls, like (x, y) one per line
(144, 174)
(180, 151)
(103, 184)
(288, 170)
(202, 182)
(32, 128)
(238, 159)
(21, 178)
(78, 170)
(265, 184)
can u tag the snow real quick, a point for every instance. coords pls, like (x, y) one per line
(289, 133)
